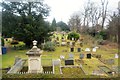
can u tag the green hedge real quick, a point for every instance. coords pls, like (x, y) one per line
(19, 46)
(74, 35)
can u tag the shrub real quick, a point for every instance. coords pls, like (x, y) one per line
(19, 46)
(3, 43)
(14, 42)
(49, 46)
(73, 35)
(100, 42)
(101, 35)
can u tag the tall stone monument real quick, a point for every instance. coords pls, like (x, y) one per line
(34, 59)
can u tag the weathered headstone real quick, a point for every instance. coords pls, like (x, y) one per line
(81, 56)
(70, 43)
(56, 62)
(96, 47)
(116, 56)
(72, 39)
(72, 49)
(62, 57)
(63, 43)
(94, 50)
(87, 49)
(79, 49)
(110, 61)
(89, 56)
(71, 56)
(69, 62)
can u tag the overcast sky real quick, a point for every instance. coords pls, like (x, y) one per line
(63, 9)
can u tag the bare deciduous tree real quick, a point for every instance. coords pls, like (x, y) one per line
(75, 23)
(104, 4)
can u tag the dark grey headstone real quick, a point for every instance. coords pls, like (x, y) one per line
(72, 49)
(69, 62)
(89, 56)
(79, 49)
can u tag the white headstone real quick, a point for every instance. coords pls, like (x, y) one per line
(62, 57)
(72, 39)
(87, 49)
(116, 56)
(63, 43)
(94, 49)
(70, 43)
(56, 62)
(71, 55)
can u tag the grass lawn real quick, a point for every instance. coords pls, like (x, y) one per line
(9, 58)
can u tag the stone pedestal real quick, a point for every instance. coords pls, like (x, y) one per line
(34, 60)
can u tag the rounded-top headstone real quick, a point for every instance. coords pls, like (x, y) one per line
(87, 49)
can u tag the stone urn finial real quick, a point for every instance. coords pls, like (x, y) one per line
(34, 44)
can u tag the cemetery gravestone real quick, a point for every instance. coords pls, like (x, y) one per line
(89, 56)
(62, 57)
(81, 56)
(79, 49)
(69, 62)
(116, 55)
(34, 59)
(63, 43)
(72, 39)
(94, 49)
(72, 49)
(87, 49)
(71, 56)
(110, 61)
(70, 43)
(56, 62)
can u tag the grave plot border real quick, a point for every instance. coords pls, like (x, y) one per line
(72, 67)
(100, 67)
